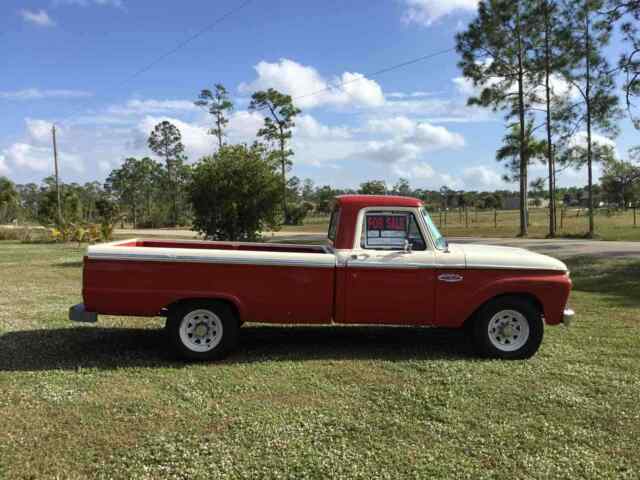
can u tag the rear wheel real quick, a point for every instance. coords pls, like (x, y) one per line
(508, 328)
(202, 330)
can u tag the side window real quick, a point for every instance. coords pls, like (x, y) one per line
(390, 231)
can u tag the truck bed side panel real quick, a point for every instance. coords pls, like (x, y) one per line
(271, 294)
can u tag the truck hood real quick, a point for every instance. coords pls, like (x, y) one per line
(492, 256)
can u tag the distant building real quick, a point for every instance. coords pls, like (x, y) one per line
(512, 202)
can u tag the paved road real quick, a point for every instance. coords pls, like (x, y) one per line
(562, 248)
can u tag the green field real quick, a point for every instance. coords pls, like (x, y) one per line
(505, 223)
(312, 402)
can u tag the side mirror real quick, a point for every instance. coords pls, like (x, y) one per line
(408, 246)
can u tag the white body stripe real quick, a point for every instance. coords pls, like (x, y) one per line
(116, 251)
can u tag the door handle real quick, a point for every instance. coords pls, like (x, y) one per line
(359, 256)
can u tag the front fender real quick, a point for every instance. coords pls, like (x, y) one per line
(456, 302)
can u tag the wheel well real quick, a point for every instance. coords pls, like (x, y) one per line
(182, 301)
(520, 295)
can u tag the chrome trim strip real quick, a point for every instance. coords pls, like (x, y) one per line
(388, 265)
(496, 267)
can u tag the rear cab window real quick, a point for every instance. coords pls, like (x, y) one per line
(333, 225)
(388, 230)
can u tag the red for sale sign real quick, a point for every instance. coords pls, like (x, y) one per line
(387, 222)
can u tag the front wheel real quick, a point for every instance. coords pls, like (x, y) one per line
(508, 328)
(202, 330)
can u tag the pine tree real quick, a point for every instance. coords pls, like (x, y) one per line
(217, 104)
(589, 73)
(496, 52)
(278, 124)
(551, 57)
(166, 141)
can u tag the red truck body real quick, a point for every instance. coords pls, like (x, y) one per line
(329, 287)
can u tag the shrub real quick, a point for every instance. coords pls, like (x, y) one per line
(235, 194)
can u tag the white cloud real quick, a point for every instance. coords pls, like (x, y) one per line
(437, 110)
(423, 134)
(433, 137)
(419, 171)
(409, 95)
(87, 3)
(39, 131)
(4, 168)
(40, 18)
(483, 177)
(29, 156)
(390, 151)
(465, 86)
(426, 12)
(397, 126)
(243, 125)
(40, 158)
(409, 141)
(309, 127)
(309, 89)
(559, 87)
(151, 106)
(579, 139)
(423, 175)
(37, 94)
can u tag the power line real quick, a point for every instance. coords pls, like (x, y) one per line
(178, 47)
(185, 42)
(376, 73)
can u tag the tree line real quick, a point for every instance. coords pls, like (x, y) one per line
(543, 64)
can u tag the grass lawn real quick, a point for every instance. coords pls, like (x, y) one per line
(505, 223)
(309, 402)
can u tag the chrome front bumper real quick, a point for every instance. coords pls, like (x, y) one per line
(567, 317)
(78, 313)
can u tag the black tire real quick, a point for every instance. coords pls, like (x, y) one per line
(210, 330)
(509, 328)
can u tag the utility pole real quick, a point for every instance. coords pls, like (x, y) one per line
(55, 162)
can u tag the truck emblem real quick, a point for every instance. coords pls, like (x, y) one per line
(450, 277)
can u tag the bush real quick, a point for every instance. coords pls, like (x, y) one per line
(297, 213)
(235, 194)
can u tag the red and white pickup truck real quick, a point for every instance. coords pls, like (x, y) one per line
(385, 263)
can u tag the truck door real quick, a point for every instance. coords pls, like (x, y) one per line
(391, 277)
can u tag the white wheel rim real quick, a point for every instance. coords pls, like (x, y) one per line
(508, 330)
(201, 330)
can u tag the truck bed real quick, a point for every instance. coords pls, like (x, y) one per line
(273, 283)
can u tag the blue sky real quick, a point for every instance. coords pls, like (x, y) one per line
(72, 62)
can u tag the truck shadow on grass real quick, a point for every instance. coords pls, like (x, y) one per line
(112, 348)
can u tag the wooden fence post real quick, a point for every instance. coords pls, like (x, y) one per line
(495, 218)
(561, 218)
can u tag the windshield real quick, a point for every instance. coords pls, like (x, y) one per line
(439, 239)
